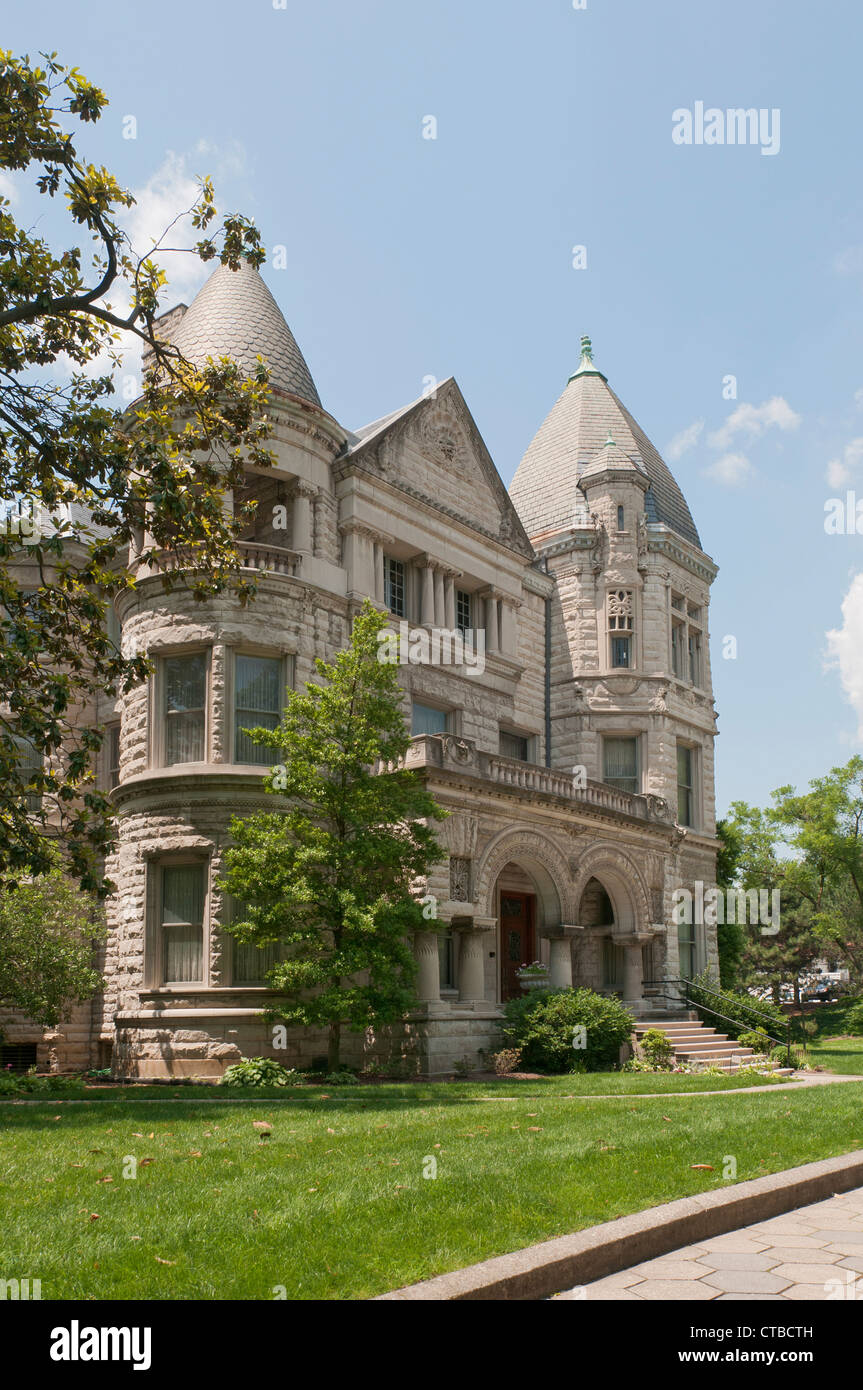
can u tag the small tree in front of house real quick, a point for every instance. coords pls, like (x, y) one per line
(331, 877)
(48, 929)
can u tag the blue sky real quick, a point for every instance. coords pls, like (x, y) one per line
(409, 257)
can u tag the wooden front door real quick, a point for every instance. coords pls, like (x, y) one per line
(517, 940)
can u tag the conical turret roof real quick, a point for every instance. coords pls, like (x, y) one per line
(545, 487)
(234, 315)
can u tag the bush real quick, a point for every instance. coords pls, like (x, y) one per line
(339, 1078)
(758, 1040)
(543, 1025)
(51, 1084)
(741, 1013)
(259, 1071)
(506, 1061)
(656, 1049)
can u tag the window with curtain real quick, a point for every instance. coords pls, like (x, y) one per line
(251, 963)
(185, 685)
(513, 746)
(685, 785)
(427, 720)
(183, 895)
(620, 764)
(258, 701)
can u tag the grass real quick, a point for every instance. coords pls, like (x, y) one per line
(837, 1054)
(334, 1203)
(597, 1083)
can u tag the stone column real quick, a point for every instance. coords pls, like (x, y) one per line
(427, 608)
(303, 529)
(491, 637)
(428, 977)
(632, 973)
(439, 602)
(560, 955)
(508, 628)
(380, 586)
(471, 970)
(449, 602)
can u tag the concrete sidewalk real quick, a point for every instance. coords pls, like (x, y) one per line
(814, 1252)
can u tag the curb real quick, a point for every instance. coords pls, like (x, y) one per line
(541, 1270)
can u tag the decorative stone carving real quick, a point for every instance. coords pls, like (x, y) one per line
(458, 750)
(459, 879)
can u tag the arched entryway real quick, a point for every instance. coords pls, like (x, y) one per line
(614, 954)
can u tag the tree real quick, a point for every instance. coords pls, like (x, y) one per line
(332, 877)
(824, 831)
(761, 861)
(730, 936)
(153, 474)
(48, 928)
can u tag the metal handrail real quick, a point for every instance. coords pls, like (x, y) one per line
(691, 984)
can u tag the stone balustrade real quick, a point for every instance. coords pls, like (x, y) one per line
(449, 751)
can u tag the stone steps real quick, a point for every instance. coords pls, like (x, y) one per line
(692, 1042)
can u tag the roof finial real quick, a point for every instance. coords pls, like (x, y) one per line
(609, 443)
(586, 365)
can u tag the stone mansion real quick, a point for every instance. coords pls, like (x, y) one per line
(577, 768)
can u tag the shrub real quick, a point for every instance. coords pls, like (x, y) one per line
(259, 1071)
(542, 1024)
(50, 1085)
(758, 1040)
(340, 1078)
(656, 1049)
(506, 1060)
(740, 1012)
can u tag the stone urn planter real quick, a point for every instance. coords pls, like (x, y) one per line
(536, 976)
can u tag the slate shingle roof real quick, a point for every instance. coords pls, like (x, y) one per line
(545, 487)
(235, 315)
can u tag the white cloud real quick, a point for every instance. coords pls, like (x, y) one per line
(845, 649)
(841, 470)
(168, 193)
(685, 440)
(732, 470)
(752, 420)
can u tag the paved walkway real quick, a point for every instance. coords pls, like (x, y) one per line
(815, 1252)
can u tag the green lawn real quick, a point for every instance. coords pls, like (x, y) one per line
(334, 1203)
(838, 1054)
(596, 1083)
